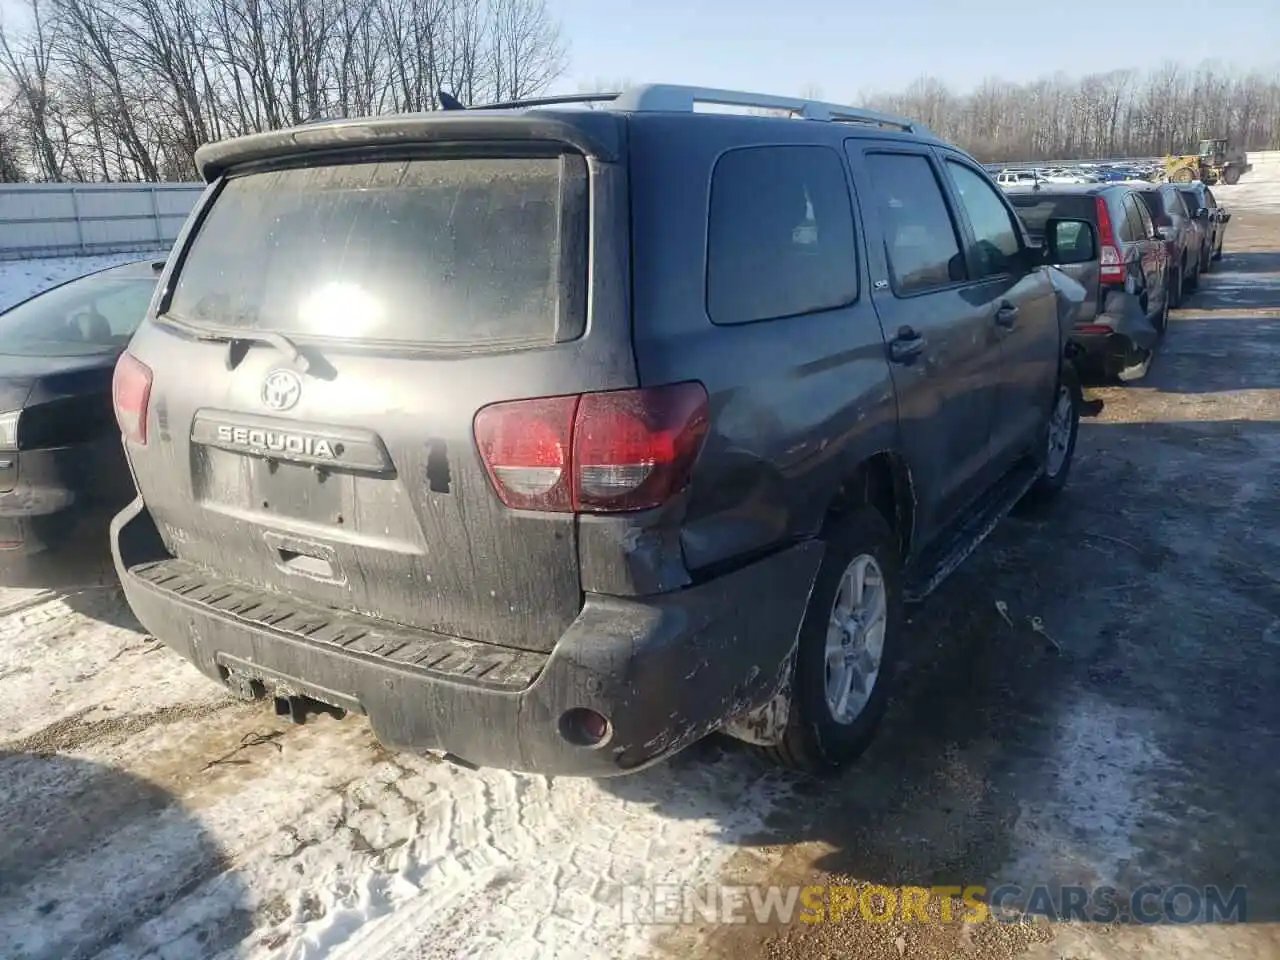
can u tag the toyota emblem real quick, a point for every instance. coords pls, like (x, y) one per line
(281, 389)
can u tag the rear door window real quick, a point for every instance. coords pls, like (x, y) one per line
(1155, 204)
(780, 238)
(1131, 226)
(1144, 215)
(438, 252)
(921, 241)
(995, 234)
(1173, 203)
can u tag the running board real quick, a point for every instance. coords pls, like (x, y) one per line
(955, 547)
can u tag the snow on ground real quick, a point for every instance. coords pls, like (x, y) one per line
(1258, 190)
(20, 279)
(203, 825)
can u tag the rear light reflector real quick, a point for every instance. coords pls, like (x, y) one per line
(596, 452)
(1112, 264)
(1093, 329)
(130, 394)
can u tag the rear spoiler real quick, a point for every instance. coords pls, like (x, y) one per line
(595, 133)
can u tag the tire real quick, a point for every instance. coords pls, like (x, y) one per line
(1183, 175)
(1231, 176)
(1068, 400)
(1175, 289)
(1161, 322)
(815, 742)
(1206, 261)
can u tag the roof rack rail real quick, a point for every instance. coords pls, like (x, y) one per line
(673, 98)
(562, 99)
(664, 97)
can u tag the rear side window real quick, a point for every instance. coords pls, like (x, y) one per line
(919, 234)
(451, 253)
(780, 238)
(1191, 200)
(994, 232)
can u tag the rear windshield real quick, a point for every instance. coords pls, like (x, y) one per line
(439, 252)
(90, 315)
(1036, 209)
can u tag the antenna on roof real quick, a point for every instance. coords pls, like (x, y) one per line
(448, 101)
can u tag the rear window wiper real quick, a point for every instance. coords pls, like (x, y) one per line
(217, 333)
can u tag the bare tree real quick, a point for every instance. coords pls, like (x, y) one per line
(1119, 113)
(129, 89)
(27, 61)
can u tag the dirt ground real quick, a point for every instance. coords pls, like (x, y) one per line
(1146, 750)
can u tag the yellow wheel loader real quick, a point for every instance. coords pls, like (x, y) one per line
(1215, 163)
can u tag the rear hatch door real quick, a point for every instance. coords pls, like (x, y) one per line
(329, 336)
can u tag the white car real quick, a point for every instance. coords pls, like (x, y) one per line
(1009, 178)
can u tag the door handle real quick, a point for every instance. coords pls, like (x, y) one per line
(906, 346)
(1006, 314)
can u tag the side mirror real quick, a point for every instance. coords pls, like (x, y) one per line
(1224, 216)
(1068, 242)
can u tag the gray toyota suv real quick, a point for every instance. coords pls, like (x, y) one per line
(555, 438)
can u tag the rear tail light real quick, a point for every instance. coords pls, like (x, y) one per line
(9, 429)
(594, 452)
(1112, 264)
(130, 393)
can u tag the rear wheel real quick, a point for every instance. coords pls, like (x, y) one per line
(848, 643)
(1175, 288)
(1190, 278)
(1231, 176)
(1161, 321)
(1183, 175)
(1060, 440)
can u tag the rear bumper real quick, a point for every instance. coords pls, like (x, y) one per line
(1118, 328)
(665, 670)
(51, 492)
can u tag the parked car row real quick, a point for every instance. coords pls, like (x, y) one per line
(1148, 246)
(1083, 172)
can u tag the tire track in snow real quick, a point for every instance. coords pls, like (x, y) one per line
(320, 844)
(561, 894)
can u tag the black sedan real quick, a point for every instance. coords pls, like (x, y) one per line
(61, 460)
